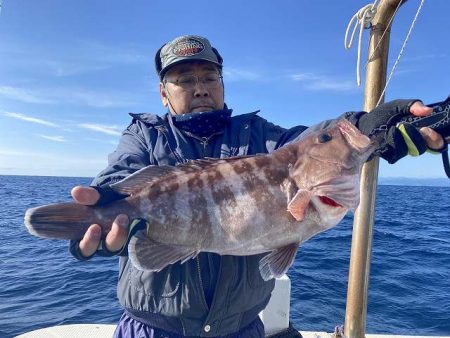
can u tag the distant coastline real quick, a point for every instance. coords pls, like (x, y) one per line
(404, 181)
(408, 181)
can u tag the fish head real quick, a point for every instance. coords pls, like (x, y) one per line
(327, 172)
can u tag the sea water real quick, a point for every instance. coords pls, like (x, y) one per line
(41, 284)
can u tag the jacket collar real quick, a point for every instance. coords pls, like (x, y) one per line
(156, 120)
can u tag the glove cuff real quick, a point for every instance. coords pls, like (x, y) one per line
(74, 249)
(413, 139)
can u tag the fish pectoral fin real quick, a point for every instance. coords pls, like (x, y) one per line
(276, 263)
(299, 203)
(146, 254)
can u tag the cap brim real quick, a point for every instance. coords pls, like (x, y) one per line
(187, 60)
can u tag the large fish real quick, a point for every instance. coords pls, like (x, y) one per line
(244, 205)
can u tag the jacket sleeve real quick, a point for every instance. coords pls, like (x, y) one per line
(131, 154)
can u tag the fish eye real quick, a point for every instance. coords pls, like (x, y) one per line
(324, 138)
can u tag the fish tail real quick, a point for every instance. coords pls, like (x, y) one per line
(60, 221)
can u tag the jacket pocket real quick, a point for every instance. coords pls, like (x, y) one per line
(162, 284)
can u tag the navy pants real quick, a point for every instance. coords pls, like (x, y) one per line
(131, 328)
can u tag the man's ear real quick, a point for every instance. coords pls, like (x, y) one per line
(163, 95)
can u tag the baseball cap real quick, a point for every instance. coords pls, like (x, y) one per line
(185, 49)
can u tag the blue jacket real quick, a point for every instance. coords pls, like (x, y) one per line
(220, 293)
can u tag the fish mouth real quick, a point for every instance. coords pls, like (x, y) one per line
(330, 202)
(339, 192)
(329, 211)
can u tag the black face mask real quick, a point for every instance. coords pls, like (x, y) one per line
(203, 124)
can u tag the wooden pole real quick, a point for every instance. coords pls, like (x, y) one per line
(358, 279)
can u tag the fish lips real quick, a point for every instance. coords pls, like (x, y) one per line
(339, 201)
(329, 201)
(330, 211)
(340, 191)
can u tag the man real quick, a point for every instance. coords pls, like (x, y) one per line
(211, 295)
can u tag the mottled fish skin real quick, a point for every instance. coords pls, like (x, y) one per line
(236, 206)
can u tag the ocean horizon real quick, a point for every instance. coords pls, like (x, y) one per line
(400, 180)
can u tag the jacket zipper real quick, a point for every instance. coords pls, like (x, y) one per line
(203, 140)
(205, 144)
(197, 260)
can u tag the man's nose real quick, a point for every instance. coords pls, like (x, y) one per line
(200, 89)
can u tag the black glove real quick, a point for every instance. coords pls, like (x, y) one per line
(107, 195)
(394, 141)
(135, 226)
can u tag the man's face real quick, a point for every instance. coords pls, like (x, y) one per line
(203, 95)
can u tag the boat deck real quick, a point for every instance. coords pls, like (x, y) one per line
(106, 331)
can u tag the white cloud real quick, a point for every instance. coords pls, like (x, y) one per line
(113, 142)
(235, 74)
(23, 95)
(110, 130)
(54, 138)
(73, 57)
(8, 152)
(62, 68)
(97, 99)
(23, 117)
(76, 96)
(105, 129)
(317, 82)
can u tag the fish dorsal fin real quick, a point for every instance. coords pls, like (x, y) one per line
(299, 203)
(148, 175)
(148, 255)
(199, 164)
(276, 263)
(140, 178)
(202, 163)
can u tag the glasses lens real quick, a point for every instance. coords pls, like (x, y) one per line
(211, 80)
(186, 81)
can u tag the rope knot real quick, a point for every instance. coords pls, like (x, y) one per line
(366, 14)
(363, 19)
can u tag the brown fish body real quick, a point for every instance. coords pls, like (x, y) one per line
(235, 206)
(231, 206)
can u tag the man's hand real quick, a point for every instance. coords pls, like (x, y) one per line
(117, 236)
(433, 139)
(396, 141)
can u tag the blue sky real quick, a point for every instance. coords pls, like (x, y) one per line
(70, 71)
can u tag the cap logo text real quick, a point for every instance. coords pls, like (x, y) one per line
(188, 47)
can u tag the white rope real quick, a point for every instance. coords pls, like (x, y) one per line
(363, 19)
(384, 33)
(401, 50)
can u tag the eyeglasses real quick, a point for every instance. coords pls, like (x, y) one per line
(211, 80)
